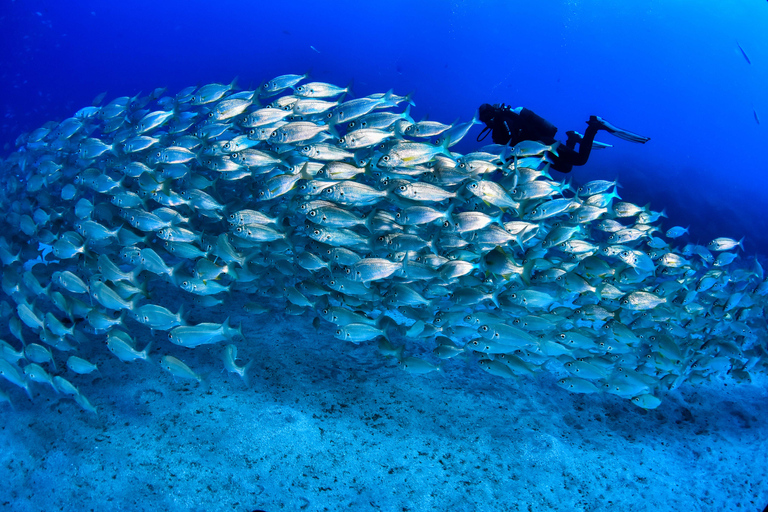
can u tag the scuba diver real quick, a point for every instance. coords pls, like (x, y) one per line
(514, 125)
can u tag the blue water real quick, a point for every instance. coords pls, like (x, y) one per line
(670, 70)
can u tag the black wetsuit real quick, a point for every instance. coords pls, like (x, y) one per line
(508, 127)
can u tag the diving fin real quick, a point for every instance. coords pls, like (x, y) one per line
(602, 124)
(577, 137)
(601, 145)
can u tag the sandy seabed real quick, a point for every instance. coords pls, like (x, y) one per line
(326, 425)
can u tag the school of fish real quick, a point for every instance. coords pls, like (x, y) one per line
(295, 198)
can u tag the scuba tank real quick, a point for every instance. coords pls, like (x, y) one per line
(508, 125)
(535, 124)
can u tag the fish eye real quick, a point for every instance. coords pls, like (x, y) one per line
(385, 158)
(329, 115)
(402, 187)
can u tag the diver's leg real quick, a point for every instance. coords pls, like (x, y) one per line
(585, 145)
(564, 161)
(573, 139)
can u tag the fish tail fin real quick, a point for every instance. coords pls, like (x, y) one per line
(304, 171)
(545, 171)
(404, 268)
(230, 332)
(204, 381)
(26, 388)
(348, 90)
(407, 113)
(231, 272)
(527, 272)
(448, 214)
(599, 290)
(369, 221)
(144, 290)
(518, 238)
(399, 352)
(180, 314)
(495, 297)
(175, 275)
(388, 99)
(145, 353)
(444, 145)
(244, 375)
(445, 276)
(83, 402)
(385, 322)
